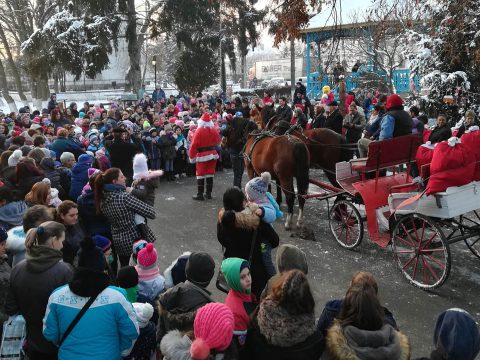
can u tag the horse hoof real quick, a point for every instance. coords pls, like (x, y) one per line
(288, 227)
(299, 224)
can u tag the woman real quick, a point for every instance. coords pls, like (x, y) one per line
(107, 330)
(284, 326)
(361, 332)
(27, 175)
(442, 131)
(235, 230)
(33, 280)
(67, 215)
(120, 207)
(39, 195)
(320, 118)
(468, 122)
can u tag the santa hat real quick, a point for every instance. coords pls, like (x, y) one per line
(205, 121)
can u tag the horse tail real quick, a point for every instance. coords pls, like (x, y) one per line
(302, 165)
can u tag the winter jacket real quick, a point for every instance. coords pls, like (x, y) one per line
(440, 134)
(396, 122)
(93, 223)
(79, 179)
(354, 133)
(119, 207)
(351, 343)
(150, 283)
(31, 283)
(153, 150)
(145, 345)
(121, 156)
(275, 334)
(107, 330)
(335, 122)
(144, 190)
(11, 214)
(53, 174)
(167, 145)
(16, 244)
(302, 121)
(318, 122)
(332, 309)
(61, 145)
(284, 113)
(178, 307)
(73, 236)
(236, 238)
(26, 183)
(5, 271)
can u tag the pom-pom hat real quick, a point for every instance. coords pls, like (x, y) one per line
(147, 256)
(144, 312)
(256, 189)
(213, 330)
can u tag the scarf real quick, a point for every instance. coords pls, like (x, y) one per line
(114, 187)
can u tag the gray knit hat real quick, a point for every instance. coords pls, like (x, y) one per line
(290, 257)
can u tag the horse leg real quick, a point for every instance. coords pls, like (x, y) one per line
(301, 204)
(290, 199)
(279, 194)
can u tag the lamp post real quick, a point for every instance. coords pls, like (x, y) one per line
(154, 63)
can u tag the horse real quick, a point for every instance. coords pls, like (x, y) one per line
(285, 157)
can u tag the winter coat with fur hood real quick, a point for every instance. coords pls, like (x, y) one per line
(235, 233)
(351, 343)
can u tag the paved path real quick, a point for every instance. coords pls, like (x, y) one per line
(186, 225)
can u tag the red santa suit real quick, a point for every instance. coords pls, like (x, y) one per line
(203, 147)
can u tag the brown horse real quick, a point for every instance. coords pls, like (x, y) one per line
(284, 157)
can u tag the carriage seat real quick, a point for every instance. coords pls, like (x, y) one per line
(387, 153)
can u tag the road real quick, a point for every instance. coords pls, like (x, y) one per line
(183, 224)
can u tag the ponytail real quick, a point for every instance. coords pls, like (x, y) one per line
(41, 234)
(100, 181)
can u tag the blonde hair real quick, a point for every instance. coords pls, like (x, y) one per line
(44, 232)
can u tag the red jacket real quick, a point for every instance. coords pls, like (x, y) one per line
(205, 140)
(237, 302)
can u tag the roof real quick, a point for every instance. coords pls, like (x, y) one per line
(340, 16)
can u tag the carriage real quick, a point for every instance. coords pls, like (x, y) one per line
(419, 228)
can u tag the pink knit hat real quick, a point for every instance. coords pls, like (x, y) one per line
(213, 329)
(147, 256)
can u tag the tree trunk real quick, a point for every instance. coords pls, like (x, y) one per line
(223, 75)
(11, 64)
(55, 82)
(134, 74)
(4, 88)
(244, 71)
(292, 66)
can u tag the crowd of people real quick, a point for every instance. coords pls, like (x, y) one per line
(76, 197)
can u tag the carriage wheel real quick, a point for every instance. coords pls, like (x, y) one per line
(421, 251)
(346, 224)
(473, 242)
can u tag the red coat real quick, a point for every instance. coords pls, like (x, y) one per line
(203, 146)
(239, 303)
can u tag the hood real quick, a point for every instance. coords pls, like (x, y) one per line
(290, 257)
(352, 343)
(12, 213)
(231, 269)
(79, 169)
(87, 282)
(41, 258)
(244, 220)
(280, 328)
(175, 346)
(16, 239)
(47, 164)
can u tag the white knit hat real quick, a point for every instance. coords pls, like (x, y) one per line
(140, 166)
(15, 158)
(256, 189)
(144, 313)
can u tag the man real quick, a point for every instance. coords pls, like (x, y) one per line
(158, 94)
(335, 119)
(52, 104)
(338, 71)
(245, 108)
(284, 112)
(356, 66)
(354, 122)
(203, 151)
(300, 89)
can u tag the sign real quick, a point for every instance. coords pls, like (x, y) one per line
(277, 68)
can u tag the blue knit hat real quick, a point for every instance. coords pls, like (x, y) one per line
(256, 189)
(85, 159)
(102, 242)
(456, 335)
(3, 234)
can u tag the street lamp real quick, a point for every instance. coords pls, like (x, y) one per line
(154, 63)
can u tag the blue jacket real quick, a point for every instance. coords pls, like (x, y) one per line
(62, 145)
(387, 127)
(107, 331)
(92, 222)
(79, 179)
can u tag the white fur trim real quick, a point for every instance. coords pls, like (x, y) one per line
(207, 157)
(167, 274)
(202, 123)
(453, 141)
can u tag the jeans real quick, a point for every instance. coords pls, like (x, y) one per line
(155, 164)
(238, 166)
(266, 249)
(168, 165)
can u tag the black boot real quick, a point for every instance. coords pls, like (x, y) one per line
(201, 188)
(208, 195)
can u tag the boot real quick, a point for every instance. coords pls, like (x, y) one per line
(201, 188)
(208, 195)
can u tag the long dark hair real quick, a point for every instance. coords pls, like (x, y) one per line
(26, 169)
(361, 308)
(100, 180)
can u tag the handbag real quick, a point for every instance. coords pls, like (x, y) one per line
(77, 318)
(221, 282)
(13, 338)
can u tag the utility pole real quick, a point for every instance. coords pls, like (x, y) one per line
(220, 44)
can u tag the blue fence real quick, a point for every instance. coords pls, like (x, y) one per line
(401, 81)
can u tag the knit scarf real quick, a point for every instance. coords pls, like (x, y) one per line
(114, 187)
(147, 273)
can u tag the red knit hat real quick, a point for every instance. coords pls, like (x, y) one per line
(205, 117)
(213, 329)
(147, 256)
(393, 100)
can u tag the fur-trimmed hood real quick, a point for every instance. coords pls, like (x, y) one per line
(176, 346)
(245, 219)
(351, 343)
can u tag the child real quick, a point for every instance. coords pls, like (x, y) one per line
(137, 246)
(181, 151)
(150, 282)
(143, 188)
(167, 144)
(153, 151)
(145, 346)
(127, 279)
(256, 191)
(105, 245)
(240, 298)
(94, 144)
